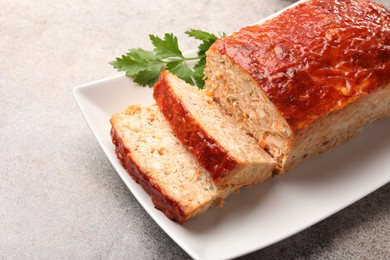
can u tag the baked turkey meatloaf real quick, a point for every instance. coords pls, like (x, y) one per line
(229, 154)
(156, 160)
(306, 80)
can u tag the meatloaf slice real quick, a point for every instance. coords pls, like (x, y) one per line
(157, 161)
(229, 154)
(306, 80)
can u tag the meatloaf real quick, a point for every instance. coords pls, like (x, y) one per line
(306, 80)
(229, 154)
(156, 160)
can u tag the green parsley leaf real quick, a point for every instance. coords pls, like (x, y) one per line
(147, 77)
(137, 60)
(203, 47)
(126, 64)
(201, 35)
(144, 67)
(141, 65)
(142, 54)
(199, 73)
(166, 48)
(181, 69)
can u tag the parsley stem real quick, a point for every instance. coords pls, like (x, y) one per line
(194, 58)
(184, 58)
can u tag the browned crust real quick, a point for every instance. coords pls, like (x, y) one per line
(171, 208)
(206, 149)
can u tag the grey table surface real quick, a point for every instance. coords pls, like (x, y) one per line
(60, 198)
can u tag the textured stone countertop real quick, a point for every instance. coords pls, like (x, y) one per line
(60, 198)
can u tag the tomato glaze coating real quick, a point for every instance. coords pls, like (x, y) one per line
(317, 57)
(209, 153)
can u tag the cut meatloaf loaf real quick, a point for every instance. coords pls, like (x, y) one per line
(306, 80)
(158, 162)
(229, 154)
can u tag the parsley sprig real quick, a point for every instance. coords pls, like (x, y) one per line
(144, 66)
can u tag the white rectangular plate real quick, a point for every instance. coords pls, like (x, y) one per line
(260, 215)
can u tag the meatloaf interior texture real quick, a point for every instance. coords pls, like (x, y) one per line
(306, 80)
(229, 154)
(156, 160)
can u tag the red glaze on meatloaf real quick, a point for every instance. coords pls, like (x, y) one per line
(209, 153)
(162, 202)
(317, 57)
